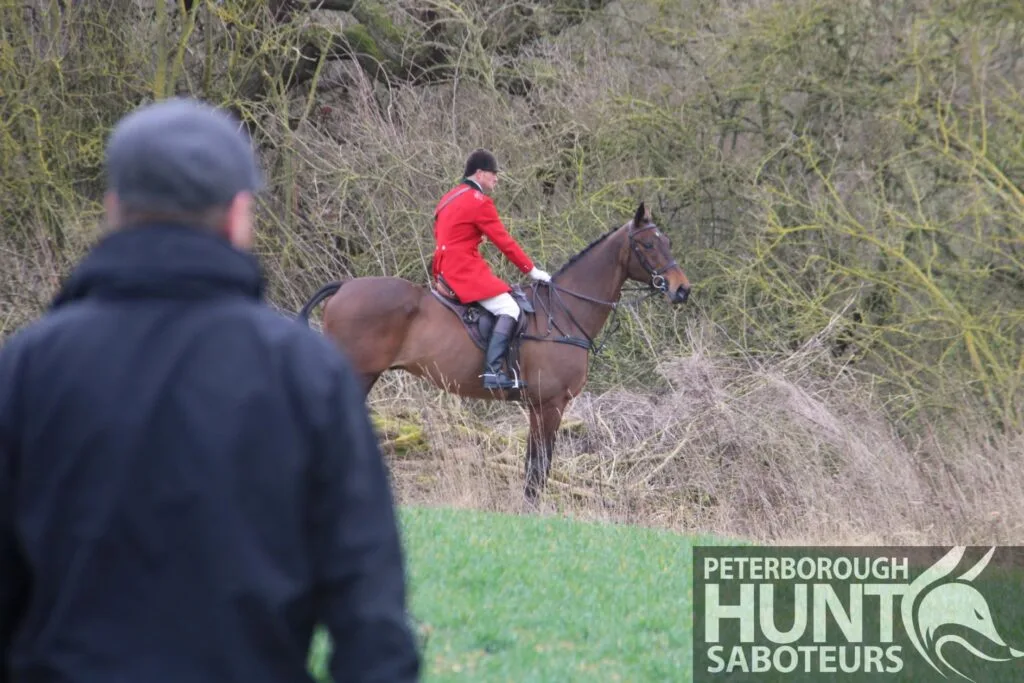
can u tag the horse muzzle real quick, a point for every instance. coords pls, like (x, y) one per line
(681, 294)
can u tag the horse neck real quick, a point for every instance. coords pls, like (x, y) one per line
(597, 274)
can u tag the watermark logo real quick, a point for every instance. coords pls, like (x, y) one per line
(858, 614)
(930, 603)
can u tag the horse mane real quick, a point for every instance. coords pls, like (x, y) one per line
(580, 254)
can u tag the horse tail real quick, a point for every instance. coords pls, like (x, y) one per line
(324, 292)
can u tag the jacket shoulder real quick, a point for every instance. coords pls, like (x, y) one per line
(309, 352)
(16, 352)
(450, 197)
(280, 329)
(12, 352)
(473, 201)
(40, 331)
(239, 323)
(465, 194)
(318, 373)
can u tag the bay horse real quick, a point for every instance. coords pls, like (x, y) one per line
(387, 323)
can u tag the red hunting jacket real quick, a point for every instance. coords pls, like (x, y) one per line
(462, 219)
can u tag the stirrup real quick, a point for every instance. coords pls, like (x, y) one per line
(498, 380)
(520, 383)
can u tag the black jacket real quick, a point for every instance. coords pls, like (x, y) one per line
(189, 482)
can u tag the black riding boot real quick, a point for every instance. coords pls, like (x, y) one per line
(497, 347)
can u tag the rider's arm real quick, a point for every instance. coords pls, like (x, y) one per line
(491, 225)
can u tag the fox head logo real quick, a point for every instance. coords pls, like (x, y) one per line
(928, 605)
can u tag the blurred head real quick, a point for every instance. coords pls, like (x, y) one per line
(182, 161)
(482, 168)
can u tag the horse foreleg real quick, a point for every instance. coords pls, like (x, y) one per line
(544, 422)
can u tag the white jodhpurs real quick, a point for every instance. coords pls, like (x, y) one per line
(503, 304)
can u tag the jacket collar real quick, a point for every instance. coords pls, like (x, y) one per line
(163, 260)
(473, 184)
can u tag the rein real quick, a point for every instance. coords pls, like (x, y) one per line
(658, 284)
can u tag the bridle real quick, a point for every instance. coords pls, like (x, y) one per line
(657, 284)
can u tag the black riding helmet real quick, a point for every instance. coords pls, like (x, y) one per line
(480, 160)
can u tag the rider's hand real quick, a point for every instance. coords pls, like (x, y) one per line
(538, 274)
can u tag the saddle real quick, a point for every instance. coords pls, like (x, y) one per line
(479, 322)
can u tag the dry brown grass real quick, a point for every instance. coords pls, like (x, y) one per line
(793, 449)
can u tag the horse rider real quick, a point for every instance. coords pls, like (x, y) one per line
(463, 217)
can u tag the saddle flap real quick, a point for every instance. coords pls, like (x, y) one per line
(478, 321)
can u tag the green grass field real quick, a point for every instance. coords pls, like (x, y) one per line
(506, 598)
(526, 598)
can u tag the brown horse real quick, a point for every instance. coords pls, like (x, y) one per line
(389, 323)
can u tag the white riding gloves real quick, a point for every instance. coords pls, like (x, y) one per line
(538, 274)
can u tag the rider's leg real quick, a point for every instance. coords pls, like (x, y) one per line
(506, 312)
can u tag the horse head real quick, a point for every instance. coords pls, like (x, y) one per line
(651, 260)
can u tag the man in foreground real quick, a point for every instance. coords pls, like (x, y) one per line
(189, 482)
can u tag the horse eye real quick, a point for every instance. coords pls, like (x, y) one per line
(649, 245)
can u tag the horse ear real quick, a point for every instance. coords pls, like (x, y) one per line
(641, 216)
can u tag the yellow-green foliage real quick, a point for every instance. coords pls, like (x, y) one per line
(400, 434)
(820, 165)
(899, 208)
